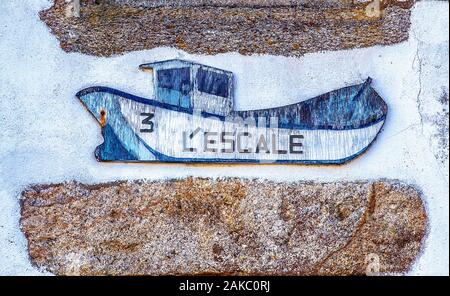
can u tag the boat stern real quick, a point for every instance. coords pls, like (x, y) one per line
(98, 102)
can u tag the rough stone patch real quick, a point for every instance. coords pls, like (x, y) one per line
(230, 3)
(226, 226)
(106, 29)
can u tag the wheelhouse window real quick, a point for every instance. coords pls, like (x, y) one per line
(174, 86)
(213, 83)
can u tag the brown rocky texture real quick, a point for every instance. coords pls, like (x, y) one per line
(230, 3)
(225, 226)
(106, 29)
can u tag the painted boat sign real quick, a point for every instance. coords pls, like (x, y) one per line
(192, 119)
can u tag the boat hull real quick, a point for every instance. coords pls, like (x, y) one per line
(141, 130)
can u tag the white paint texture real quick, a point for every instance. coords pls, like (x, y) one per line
(46, 135)
(172, 130)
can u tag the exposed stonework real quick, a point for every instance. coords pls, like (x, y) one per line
(232, 3)
(108, 29)
(249, 3)
(229, 226)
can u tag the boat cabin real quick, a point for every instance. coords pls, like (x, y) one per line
(192, 86)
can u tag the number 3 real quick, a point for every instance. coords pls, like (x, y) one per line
(147, 121)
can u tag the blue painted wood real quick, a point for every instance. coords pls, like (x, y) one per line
(192, 85)
(112, 148)
(212, 83)
(333, 128)
(347, 108)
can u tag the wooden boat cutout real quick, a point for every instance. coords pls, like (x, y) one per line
(192, 119)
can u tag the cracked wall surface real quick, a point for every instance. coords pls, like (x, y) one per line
(432, 97)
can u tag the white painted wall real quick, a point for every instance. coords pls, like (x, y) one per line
(46, 135)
